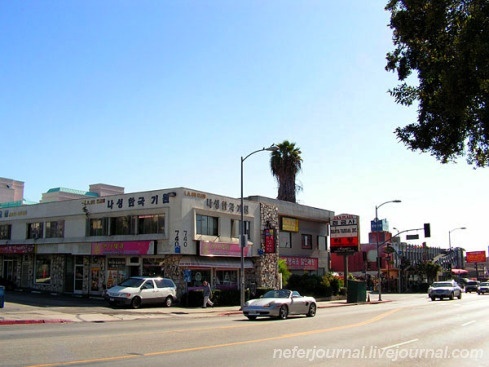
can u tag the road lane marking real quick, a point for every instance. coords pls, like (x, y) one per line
(468, 323)
(223, 345)
(399, 344)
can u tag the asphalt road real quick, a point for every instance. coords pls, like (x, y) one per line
(410, 330)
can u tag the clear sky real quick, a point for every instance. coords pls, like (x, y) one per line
(160, 94)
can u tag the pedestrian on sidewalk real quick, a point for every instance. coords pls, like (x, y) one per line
(207, 295)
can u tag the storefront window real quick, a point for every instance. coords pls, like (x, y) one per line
(116, 271)
(153, 267)
(198, 276)
(43, 270)
(226, 279)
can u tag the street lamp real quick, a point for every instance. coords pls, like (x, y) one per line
(378, 252)
(242, 236)
(450, 237)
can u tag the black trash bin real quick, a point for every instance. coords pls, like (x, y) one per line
(2, 296)
(357, 292)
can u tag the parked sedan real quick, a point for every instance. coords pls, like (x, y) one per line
(136, 291)
(483, 288)
(280, 304)
(447, 289)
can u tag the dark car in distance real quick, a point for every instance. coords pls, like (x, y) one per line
(471, 286)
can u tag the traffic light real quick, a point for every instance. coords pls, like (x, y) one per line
(427, 230)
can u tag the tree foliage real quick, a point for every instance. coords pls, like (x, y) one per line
(284, 270)
(445, 45)
(285, 163)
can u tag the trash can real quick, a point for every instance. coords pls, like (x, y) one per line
(357, 292)
(2, 296)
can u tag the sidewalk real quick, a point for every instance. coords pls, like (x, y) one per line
(19, 313)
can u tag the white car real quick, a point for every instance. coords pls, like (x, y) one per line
(136, 291)
(280, 304)
(446, 289)
(483, 288)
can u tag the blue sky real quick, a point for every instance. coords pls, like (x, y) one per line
(159, 94)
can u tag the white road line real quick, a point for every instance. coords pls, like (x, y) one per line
(468, 323)
(399, 344)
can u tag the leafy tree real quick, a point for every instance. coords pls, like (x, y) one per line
(284, 270)
(445, 44)
(428, 270)
(285, 163)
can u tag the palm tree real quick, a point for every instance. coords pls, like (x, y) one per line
(285, 164)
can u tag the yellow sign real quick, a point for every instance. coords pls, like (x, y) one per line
(290, 224)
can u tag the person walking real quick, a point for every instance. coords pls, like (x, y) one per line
(207, 295)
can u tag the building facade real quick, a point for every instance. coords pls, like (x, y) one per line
(85, 242)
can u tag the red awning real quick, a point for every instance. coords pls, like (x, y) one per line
(459, 271)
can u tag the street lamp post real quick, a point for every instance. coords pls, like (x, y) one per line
(378, 251)
(450, 237)
(242, 236)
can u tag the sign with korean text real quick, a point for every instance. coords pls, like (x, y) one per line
(207, 248)
(345, 233)
(476, 257)
(269, 241)
(301, 263)
(17, 249)
(123, 248)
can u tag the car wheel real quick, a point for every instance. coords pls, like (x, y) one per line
(460, 295)
(283, 312)
(312, 310)
(136, 302)
(251, 318)
(433, 298)
(169, 301)
(451, 296)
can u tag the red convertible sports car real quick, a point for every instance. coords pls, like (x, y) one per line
(280, 304)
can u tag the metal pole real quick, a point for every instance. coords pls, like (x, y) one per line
(242, 242)
(379, 286)
(242, 236)
(450, 236)
(378, 250)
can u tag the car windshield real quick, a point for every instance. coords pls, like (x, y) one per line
(471, 283)
(282, 293)
(442, 284)
(485, 284)
(132, 282)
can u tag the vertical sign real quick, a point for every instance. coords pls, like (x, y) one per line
(345, 233)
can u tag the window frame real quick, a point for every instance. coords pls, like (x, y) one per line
(206, 225)
(306, 241)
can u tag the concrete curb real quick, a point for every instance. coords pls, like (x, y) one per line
(25, 319)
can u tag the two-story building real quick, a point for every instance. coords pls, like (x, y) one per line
(84, 242)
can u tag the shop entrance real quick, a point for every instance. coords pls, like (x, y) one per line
(78, 281)
(9, 272)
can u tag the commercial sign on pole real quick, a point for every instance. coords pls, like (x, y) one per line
(476, 257)
(345, 233)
